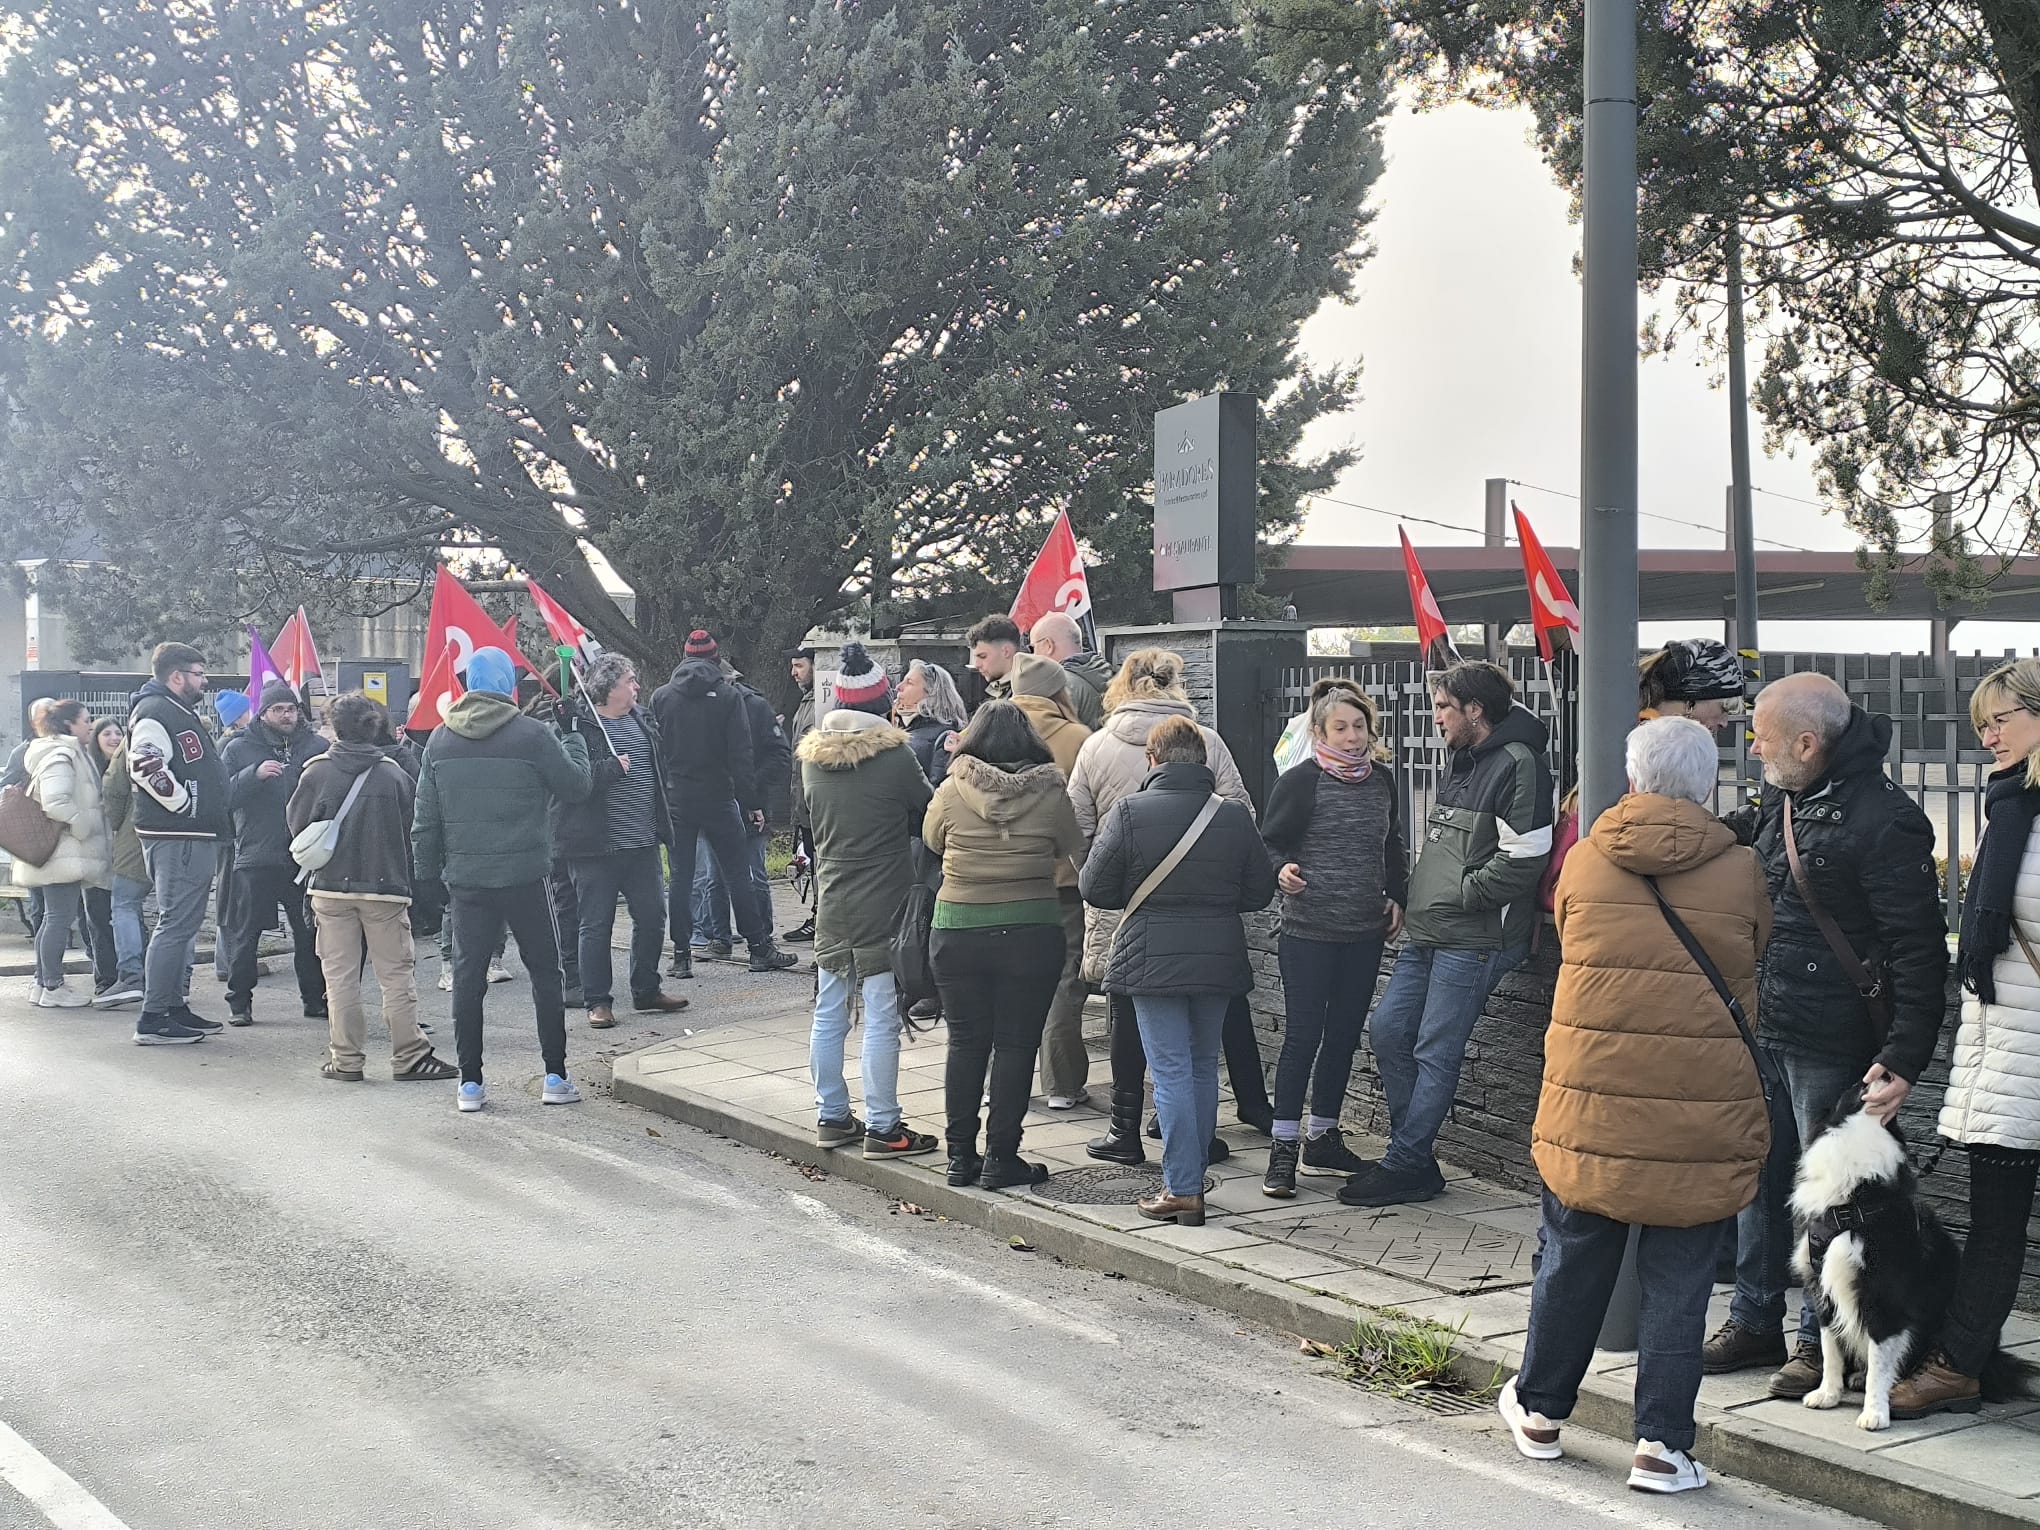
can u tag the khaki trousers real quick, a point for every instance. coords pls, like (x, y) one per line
(1065, 1064)
(346, 925)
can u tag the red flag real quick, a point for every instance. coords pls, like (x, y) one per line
(440, 689)
(458, 621)
(567, 632)
(1433, 642)
(1056, 582)
(296, 655)
(1552, 612)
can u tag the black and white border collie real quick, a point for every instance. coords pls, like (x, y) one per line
(1876, 1263)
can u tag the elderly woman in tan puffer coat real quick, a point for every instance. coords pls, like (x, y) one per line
(1112, 764)
(1652, 1113)
(64, 782)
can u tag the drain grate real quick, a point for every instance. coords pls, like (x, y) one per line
(1430, 1399)
(1116, 1184)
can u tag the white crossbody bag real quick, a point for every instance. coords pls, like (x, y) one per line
(313, 845)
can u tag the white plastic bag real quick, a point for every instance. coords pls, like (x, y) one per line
(1294, 747)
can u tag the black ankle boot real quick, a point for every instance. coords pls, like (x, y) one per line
(1121, 1142)
(964, 1166)
(1004, 1171)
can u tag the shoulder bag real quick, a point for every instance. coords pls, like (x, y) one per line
(313, 845)
(1869, 983)
(1169, 863)
(913, 970)
(26, 832)
(1768, 1079)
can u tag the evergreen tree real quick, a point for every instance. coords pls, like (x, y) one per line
(783, 312)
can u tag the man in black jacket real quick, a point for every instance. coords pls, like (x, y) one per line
(706, 738)
(800, 663)
(181, 814)
(263, 765)
(771, 765)
(1866, 851)
(610, 842)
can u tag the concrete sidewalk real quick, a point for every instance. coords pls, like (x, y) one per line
(1312, 1267)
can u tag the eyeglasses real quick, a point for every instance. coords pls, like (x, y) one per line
(1995, 723)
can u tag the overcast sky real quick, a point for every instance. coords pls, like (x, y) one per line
(1467, 320)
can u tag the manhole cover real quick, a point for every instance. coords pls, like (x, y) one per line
(1116, 1185)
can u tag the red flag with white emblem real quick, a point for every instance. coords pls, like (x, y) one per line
(1432, 639)
(1553, 614)
(1056, 582)
(439, 690)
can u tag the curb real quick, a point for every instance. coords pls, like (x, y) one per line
(1798, 1465)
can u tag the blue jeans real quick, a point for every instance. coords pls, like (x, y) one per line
(597, 881)
(729, 839)
(881, 1060)
(712, 894)
(1764, 1228)
(1576, 1277)
(1422, 1023)
(1181, 1033)
(130, 936)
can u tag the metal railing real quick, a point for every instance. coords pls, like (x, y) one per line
(1934, 755)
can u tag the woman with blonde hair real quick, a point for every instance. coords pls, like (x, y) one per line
(1112, 765)
(928, 708)
(1992, 1107)
(1334, 831)
(65, 784)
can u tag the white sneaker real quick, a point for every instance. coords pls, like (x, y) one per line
(1536, 1436)
(63, 996)
(1067, 1101)
(559, 1090)
(1657, 1470)
(446, 980)
(498, 973)
(117, 996)
(470, 1097)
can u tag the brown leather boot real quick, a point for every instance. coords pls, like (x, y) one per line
(1936, 1387)
(601, 1017)
(1183, 1210)
(1801, 1373)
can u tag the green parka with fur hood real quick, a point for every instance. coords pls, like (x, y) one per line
(865, 797)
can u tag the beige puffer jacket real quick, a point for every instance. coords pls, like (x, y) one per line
(1113, 764)
(66, 784)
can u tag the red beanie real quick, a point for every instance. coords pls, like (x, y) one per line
(700, 645)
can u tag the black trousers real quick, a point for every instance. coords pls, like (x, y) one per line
(565, 897)
(257, 892)
(598, 879)
(99, 937)
(1242, 1057)
(479, 916)
(2000, 1201)
(996, 985)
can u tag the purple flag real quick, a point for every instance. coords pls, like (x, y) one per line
(261, 669)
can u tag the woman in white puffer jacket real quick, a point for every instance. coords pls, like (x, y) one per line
(1112, 764)
(1992, 1107)
(65, 784)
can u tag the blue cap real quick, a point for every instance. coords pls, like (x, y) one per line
(231, 706)
(491, 669)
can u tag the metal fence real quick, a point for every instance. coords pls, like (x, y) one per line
(1934, 754)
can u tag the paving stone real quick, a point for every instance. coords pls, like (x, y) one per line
(1838, 1425)
(1369, 1287)
(699, 1074)
(1281, 1261)
(1447, 1253)
(1486, 1315)
(1211, 1238)
(2000, 1456)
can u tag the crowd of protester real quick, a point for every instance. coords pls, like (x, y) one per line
(1084, 831)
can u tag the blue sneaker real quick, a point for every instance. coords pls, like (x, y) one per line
(559, 1090)
(470, 1097)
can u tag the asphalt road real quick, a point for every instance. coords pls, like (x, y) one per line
(238, 1297)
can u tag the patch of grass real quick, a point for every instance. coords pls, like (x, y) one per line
(778, 851)
(1407, 1357)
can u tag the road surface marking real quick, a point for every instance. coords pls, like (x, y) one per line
(46, 1485)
